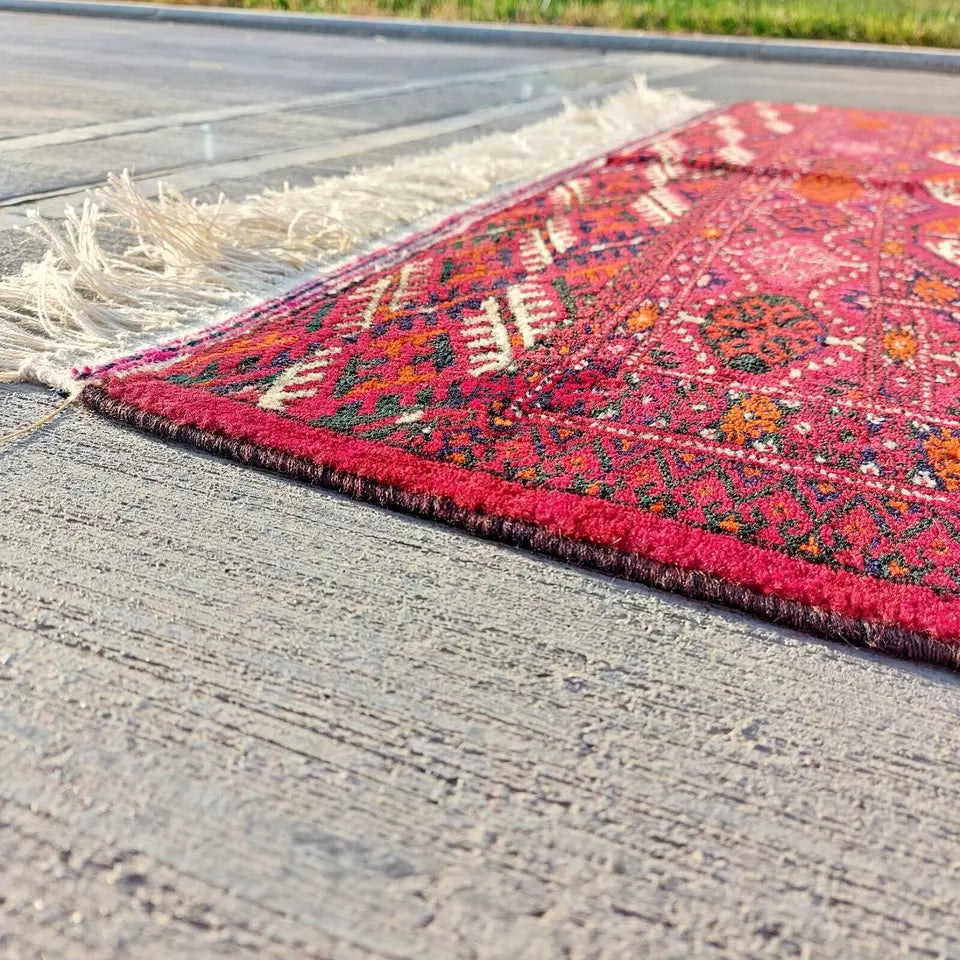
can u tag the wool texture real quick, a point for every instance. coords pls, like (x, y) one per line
(724, 361)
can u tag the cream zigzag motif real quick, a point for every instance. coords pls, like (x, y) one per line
(949, 155)
(534, 312)
(487, 339)
(946, 247)
(534, 252)
(365, 299)
(661, 206)
(299, 380)
(731, 135)
(535, 255)
(661, 173)
(412, 280)
(946, 190)
(303, 379)
(669, 149)
(561, 234)
(772, 119)
(565, 196)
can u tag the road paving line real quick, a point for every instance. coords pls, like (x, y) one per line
(103, 131)
(52, 203)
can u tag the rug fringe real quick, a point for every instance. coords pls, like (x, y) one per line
(189, 264)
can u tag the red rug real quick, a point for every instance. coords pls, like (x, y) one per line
(725, 361)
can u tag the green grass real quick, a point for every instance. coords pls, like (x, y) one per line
(919, 22)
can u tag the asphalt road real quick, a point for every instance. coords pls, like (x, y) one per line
(241, 717)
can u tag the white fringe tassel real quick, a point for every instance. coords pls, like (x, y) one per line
(191, 264)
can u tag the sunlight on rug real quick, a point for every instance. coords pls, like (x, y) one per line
(722, 360)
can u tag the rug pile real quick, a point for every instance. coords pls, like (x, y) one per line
(724, 360)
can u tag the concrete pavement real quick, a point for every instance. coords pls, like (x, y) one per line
(241, 717)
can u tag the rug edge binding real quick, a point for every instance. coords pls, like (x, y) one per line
(692, 584)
